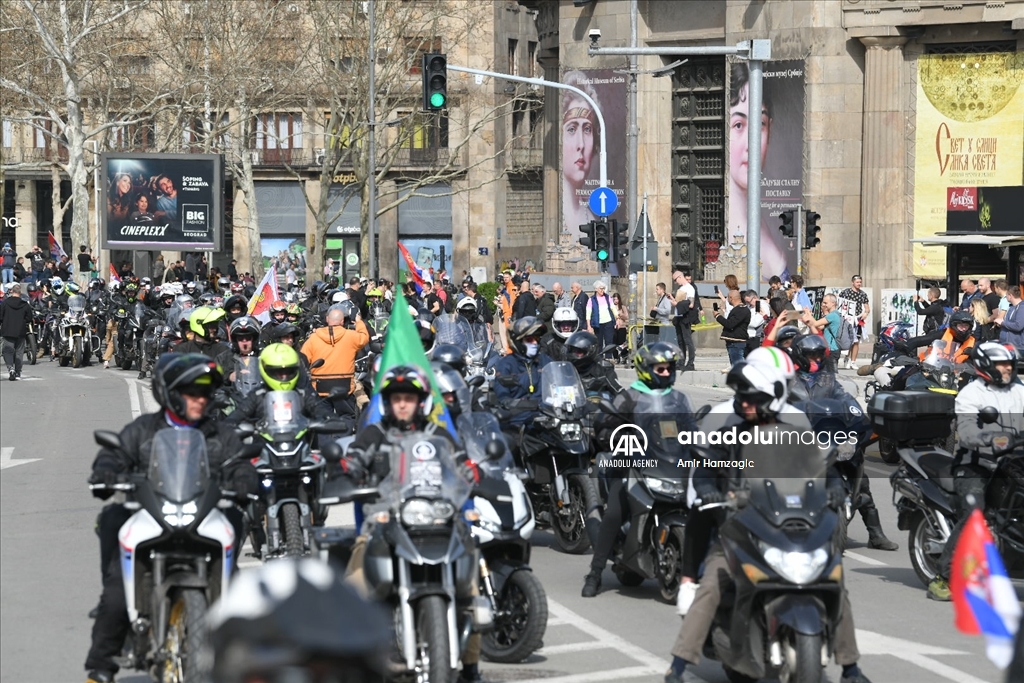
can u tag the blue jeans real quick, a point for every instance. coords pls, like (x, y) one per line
(735, 350)
(8, 275)
(37, 275)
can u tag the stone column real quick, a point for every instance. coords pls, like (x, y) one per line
(885, 260)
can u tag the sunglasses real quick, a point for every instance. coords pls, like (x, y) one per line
(662, 370)
(532, 339)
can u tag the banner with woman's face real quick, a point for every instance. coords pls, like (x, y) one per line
(581, 146)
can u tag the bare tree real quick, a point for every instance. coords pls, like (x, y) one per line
(73, 71)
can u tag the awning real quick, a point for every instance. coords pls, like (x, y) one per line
(984, 240)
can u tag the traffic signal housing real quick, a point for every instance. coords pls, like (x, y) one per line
(620, 238)
(788, 228)
(587, 239)
(435, 81)
(811, 229)
(602, 241)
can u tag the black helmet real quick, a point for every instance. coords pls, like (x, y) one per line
(450, 355)
(409, 380)
(808, 352)
(985, 356)
(786, 333)
(582, 349)
(427, 329)
(244, 327)
(650, 355)
(236, 303)
(296, 616)
(452, 387)
(961, 325)
(175, 371)
(278, 333)
(528, 326)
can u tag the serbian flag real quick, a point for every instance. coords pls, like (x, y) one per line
(265, 295)
(417, 275)
(56, 251)
(983, 597)
(114, 277)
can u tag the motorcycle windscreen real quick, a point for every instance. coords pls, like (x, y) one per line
(560, 385)
(178, 466)
(139, 311)
(937, 367)
(477, 429)
(423, 466)
(282, 412)
(247, 374)
(76, 304)
(453, 329)
(785, 476)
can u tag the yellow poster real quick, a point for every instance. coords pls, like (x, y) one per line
(970, 133)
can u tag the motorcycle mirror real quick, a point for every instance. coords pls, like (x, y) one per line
(475, 381)
(245, 429)
(988, 415)
(332, 450)
(318, 363)
(607, 406)
(494, 449)
(701, 412)
(330, 425)
(107, 439)
(375, 347)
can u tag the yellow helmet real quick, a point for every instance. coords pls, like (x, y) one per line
(279, 367)
(203, 317)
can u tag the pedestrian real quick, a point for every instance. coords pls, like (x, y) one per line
(1011, 325)
(984, 327)
(84, 265)
(202, 268)
(755, 330)
(970, 292)
(7, 260)
(857, 295)
(233, 270)
(526, 303)
(829, 326)
(621, 329)
(578, 303)
(734, 327)
(561, 297)
(545, 304)
(688, 312)
(934, 312)
(64, 268)
(15, 314)
(20, 274)
(38, 262)
(159, 268)
(600, 317)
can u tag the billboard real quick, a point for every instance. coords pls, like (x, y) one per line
(984, 210)
(163, 201)
(581, 144)
(970, 133)
(782, 150)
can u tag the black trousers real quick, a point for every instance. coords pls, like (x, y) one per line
(14, 353)
(684, 333)
(611, 523)
(967, 481)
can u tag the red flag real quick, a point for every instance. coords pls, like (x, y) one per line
(415, 272)
(266, 294)
(56, 251)
(114, 277)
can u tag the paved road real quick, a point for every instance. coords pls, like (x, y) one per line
(50, 567)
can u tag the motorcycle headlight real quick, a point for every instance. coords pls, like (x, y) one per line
(179, 515)
(846, 451)
(419, 512)
(800, 568)
(668, 487)
(570, 431)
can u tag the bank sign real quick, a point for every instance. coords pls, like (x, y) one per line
(163, 201)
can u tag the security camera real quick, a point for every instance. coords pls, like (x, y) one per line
(595, 35)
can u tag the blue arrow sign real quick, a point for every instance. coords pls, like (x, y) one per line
(603, 202)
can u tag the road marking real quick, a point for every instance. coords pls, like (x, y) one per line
(133, 398)
(76, 376)
(651, 661)
(7, 460)
(573, 647)
(871, 643)
(864, 558)
(613, 675)
(30, 379)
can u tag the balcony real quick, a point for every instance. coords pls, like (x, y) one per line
(296, 158)
(34, 155)
(525, 158)
(421, 157)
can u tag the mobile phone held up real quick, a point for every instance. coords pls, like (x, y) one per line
(716, 290)
(715, 306)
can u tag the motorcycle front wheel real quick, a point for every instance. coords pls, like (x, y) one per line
(433, 650)
(808, 659)
(569, 522)
(671, 569)
(291, 526)
(520, 621)
(185, 636)
(31, 349)
(77, 353)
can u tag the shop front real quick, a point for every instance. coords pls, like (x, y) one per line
(425, 230)
(282, 215)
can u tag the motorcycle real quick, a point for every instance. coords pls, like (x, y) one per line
(75, 341)
(98, 323)
(128, 342)
(177, 553)
(453, 328)
(292, 476)
(36, 324)
(779, 616)
(555, 450)
(502, 531)
(420, 558)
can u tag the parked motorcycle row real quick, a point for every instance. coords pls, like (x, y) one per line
(450, 558)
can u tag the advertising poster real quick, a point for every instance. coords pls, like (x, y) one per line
(427, 254)
(285, 251)
(782, 150)
(162, 201)
(898, 305)
(970, 109)
(581, 170)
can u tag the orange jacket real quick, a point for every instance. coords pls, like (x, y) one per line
(338, 347)
(963, 353)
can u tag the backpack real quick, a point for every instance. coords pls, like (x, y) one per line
(847, 335)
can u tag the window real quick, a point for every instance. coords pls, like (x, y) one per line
(279, 131)
(513, 63)
(194, 133)
(48, 139)
(133, 65)
(139, 135)
(416, 47)
(531, 58)
(423, 135)
(8, 133)
(338, 132)
(343, 59)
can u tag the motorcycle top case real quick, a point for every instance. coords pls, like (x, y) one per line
(912, 415)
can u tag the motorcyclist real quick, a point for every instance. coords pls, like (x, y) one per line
(454, 390)
(583, 350)
(659, 411)
(815, 379)
(469, 308)
(235, 307)
(517, 375)
(244, 334)
(289, 334)
(182, 385)
(761, 398)
(451, 355)
(338, 345)
(193, 290)
(996, 386)
(377, 305)
(205, 323)
(280, 369)
(564, 323)
(958, 337)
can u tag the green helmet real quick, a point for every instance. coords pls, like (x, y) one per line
(279, 367)
(203, 317)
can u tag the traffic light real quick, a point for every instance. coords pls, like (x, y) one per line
(435, 82)
(587, 239)
(620, 238)
(811, 230)
(602, 241)
(788, 229)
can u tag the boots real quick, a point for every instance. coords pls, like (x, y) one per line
(876, 537)
(592, 583)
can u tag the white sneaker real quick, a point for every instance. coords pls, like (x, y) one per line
(106, 365)
(684, 598)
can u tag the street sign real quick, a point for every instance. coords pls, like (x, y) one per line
(603, 202)
(482, 251)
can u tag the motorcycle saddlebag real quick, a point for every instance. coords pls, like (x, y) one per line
(912, 415)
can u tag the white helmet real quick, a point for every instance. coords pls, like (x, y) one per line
(564, 322)
(773, 358)
(760, 385)
(467, 303)
(339, 297)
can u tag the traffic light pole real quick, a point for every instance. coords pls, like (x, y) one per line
(798, 223)
(371, 177)
(603, 155)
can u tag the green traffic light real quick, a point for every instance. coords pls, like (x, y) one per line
(602, 255)
(437, 100)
